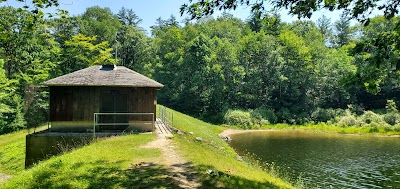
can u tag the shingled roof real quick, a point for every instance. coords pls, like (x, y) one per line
(116, 76)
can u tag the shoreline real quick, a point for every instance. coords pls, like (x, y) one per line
(228, 132)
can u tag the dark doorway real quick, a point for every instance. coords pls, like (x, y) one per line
(114, 102)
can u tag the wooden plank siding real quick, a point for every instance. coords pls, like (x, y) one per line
(72, 107)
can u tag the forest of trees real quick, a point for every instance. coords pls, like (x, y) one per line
(208, 66)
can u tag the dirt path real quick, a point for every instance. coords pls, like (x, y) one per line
(4, 177)
(179, 167)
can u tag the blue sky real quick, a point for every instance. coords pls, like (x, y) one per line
(150, 10)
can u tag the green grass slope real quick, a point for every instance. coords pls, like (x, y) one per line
(107, 163)
(212, 153)
(119, 162)
(12, 151)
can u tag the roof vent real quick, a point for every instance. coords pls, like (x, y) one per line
(108, 67)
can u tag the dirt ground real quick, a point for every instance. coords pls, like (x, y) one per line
(4, 177)
(179, 167)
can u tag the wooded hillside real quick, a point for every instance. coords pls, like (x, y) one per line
(207, 66)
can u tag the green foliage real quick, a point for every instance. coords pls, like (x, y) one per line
(324, 115)
(391, 106)
(267, 114)
(239, 118)
(99, 22)
(370, 117)
(207, 66)
(392, 118)
(343, 29)
(80, 52)
(359, 10)
(136, 50)
(348, 120)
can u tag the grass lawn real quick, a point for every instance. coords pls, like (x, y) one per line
(12, 151)
(212, 153)
(103, 164)
(118, 162)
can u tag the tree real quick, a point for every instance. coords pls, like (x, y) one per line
(37, 13)
(11, 117)
(128, 17)
(99, 22)
(135, 50)
(343, 31)
(82, 51)
(255, 21)
(324, 26)
(261, 62)
(358, 9)
(374, 70)
(164, 24)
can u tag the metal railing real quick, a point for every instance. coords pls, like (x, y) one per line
(97, 122)
(166, 116)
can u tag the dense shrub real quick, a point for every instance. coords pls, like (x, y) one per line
(302, 119)
(373, 129)
(257, 118)
(391, 106)
(369, 117)
(324, 115)
(267, 114)
(355, 109)
(285, 116)
(392, 118)
(348, 120)
(387, 128)
(373, 124)
(396, 128)
(239, 118)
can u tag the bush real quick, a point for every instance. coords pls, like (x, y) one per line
(369, 117)
(348, 120)
(387, 128)
(374, 129)
(266, 114)
(324, 115)
(392, 118)
(302, 119)
(239, 118)
(374, 124)
(257, 118)
(391, 106)
(396, 128)
(285, 116)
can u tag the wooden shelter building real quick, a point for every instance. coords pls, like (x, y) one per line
(123, 99)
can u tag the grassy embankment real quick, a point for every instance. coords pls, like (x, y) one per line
(212, 153)
(325, 128)
(109, 163)
(12, 151)
(106, 163)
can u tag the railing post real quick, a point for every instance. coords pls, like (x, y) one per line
(152, 117)
(94, 125)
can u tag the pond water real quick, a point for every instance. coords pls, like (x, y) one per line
(326, 160)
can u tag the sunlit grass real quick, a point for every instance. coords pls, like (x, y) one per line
(212, 153)
(322, 127)
(12, 151)
(103, 164)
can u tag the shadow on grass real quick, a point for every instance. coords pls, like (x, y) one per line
(210, 178)
(105, 174)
